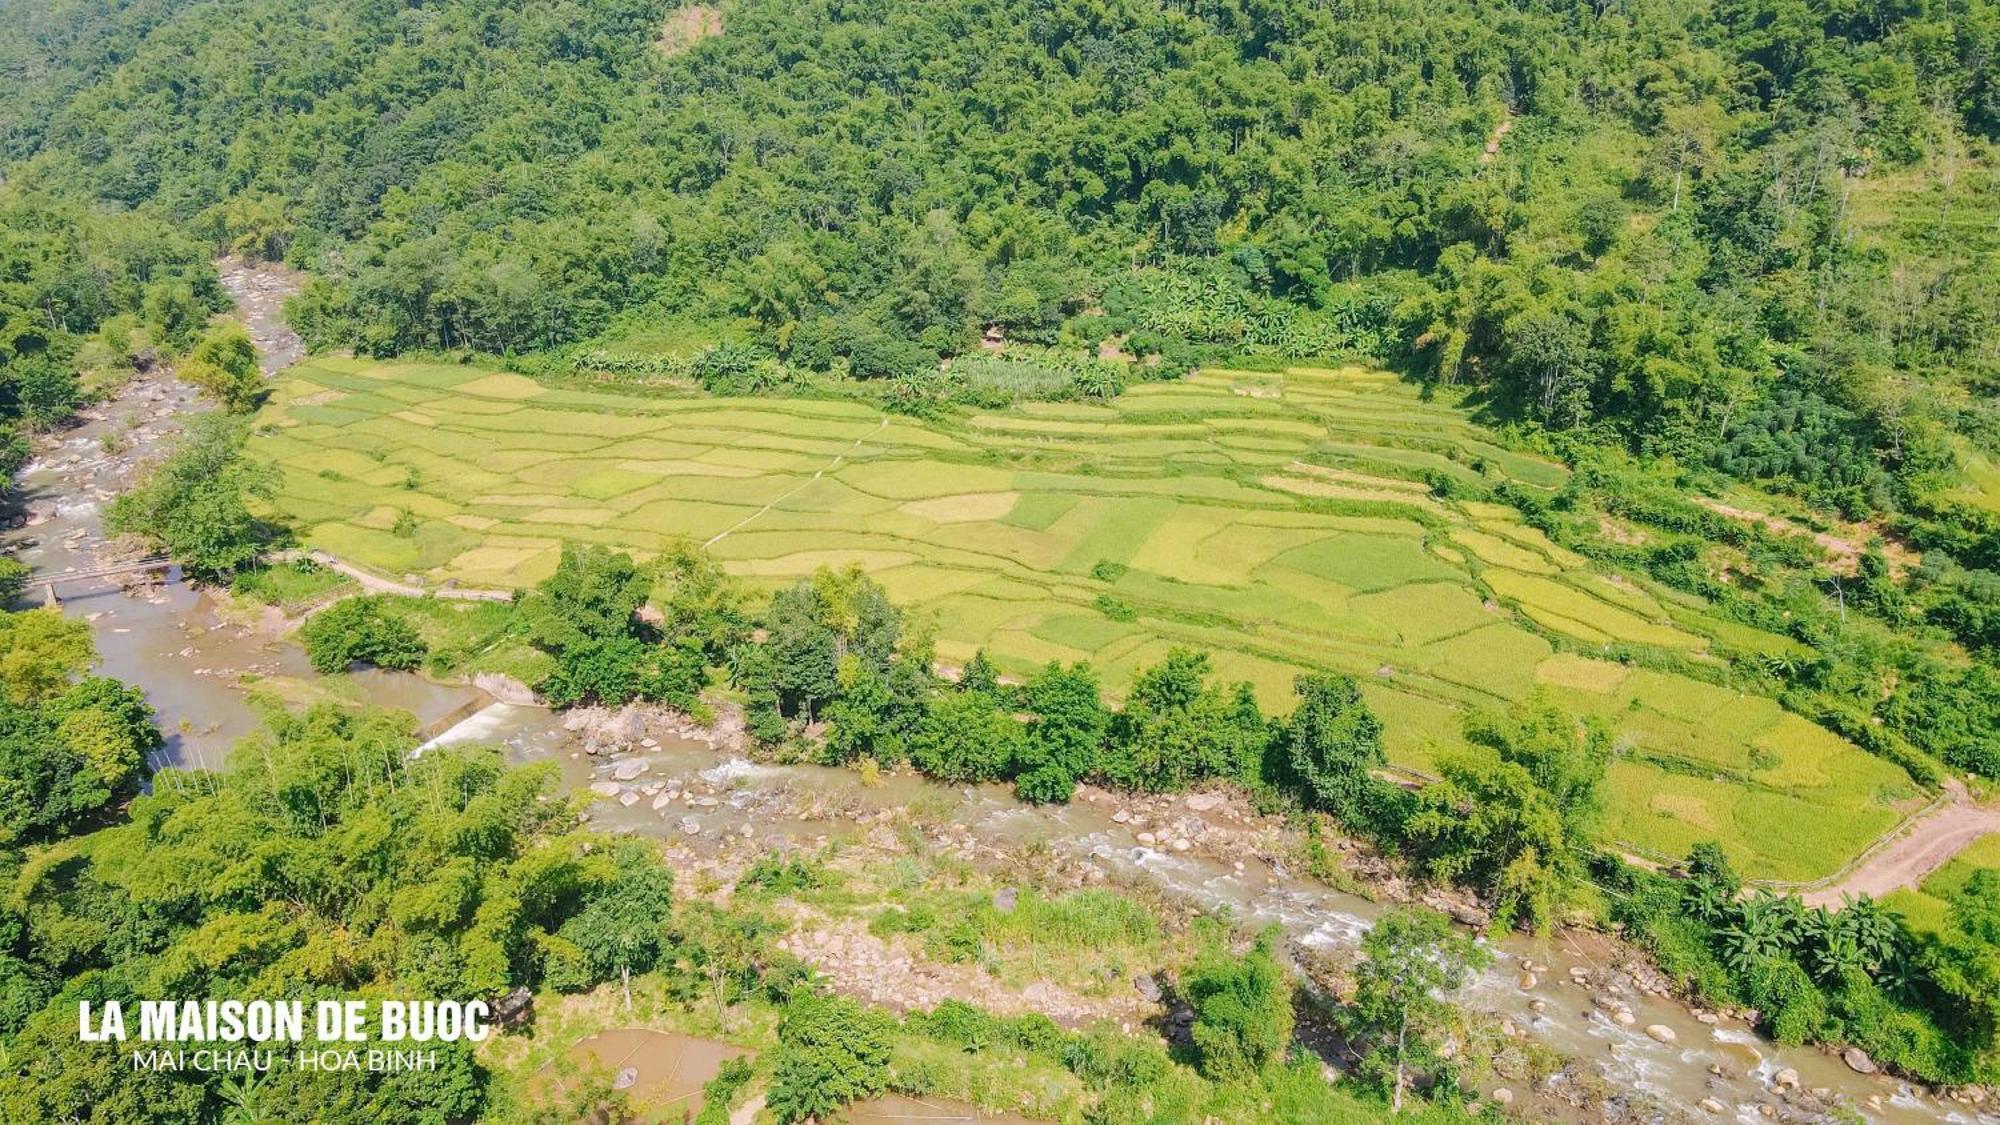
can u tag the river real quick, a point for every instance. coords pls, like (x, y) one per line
(199, 663)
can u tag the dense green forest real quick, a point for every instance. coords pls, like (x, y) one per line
(1752, 234)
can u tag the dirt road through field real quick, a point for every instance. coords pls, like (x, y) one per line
(1923, 846)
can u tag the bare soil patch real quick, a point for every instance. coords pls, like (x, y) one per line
(687, 26)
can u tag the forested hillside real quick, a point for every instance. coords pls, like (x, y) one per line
(1757, 235)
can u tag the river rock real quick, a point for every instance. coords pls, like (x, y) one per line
(605, 788)
(1857, 1060)
(1710, 1105)
(1148, 839)
(663, 800)
(1203, 802)
(1121, 817)
(1786, 1079)
(1181, 844)
(1527, 981)
(630, 769)
(628, 798)
(691, 826)
(1147, 987)
(1661, 1032)
(1623, 1017)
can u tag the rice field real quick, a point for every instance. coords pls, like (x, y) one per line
(1284, 522)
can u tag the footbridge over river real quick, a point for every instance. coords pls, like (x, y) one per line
(48, 580)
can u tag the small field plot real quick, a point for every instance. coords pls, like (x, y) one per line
(1287, 523)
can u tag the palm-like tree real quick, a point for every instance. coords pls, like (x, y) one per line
(1837, 955)
(1708, 899)
(1762, 929)
(1876, 932)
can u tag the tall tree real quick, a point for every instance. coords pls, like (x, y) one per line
(1411, 959)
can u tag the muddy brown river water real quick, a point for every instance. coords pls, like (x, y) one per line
(198, 667)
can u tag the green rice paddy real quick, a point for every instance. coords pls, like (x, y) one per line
(1281, 522)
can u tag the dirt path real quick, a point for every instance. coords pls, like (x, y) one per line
(376, 584)
(830, 466)
(1500, 132)
(1925, 844)
(1846, 549)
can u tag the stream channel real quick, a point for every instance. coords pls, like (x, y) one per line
(198, 663)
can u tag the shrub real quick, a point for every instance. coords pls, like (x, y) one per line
(830, 1052)
(1242, 1011)
(360, 631)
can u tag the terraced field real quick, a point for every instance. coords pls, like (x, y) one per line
(1281, 521)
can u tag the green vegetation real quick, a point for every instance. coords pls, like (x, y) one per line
(1924, 908)
(831, 1051)
(292, 586)
(1408, 959)
(342, 866)
(1284, 533)
(85, 299)
(1332, 744)
(1517, 823)
(1920, 1004)
(1575, 211)
(357, 631)
(223, 364)
(1242, 1011)
(195, 504)
(13, 579)
(71, 744)
(330, 862)
(1015, 323)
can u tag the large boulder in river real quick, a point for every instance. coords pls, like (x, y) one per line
(1661, 1032)
(1857, 1060)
